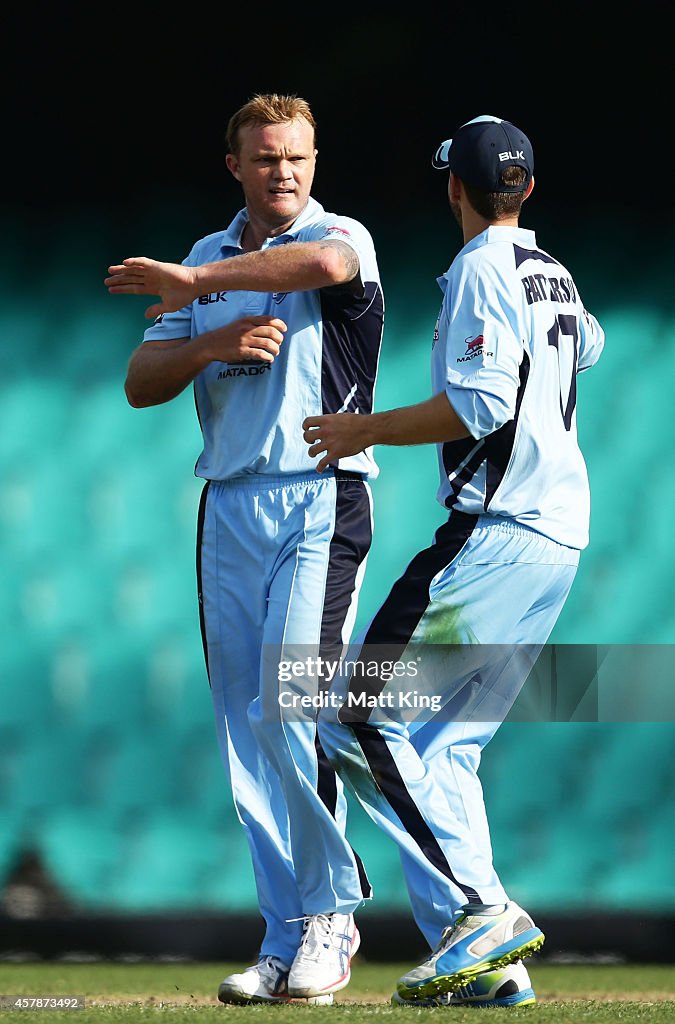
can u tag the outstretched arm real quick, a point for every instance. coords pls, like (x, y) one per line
(341, 434)
(297, 266)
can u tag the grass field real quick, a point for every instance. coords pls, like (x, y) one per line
(179, 993)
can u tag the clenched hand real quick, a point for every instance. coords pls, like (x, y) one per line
(251, 337)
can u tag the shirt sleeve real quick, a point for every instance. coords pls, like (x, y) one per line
(483, 349)
(591, 341)
(353, 233)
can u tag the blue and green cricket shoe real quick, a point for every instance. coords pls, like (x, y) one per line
(473, 944)
(506, 986)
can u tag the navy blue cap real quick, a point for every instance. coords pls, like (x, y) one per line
(481, 149)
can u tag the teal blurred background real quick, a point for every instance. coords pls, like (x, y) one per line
(108, 762)
(111, 788)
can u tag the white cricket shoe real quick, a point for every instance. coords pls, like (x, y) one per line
(322, 963)
(264, 982)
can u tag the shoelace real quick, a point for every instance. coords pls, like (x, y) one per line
(316, 936)
(446, 935)
(268, 964)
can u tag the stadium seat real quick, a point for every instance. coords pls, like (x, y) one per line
(553, 864)
(35, 413)
(24, 680)
(129, 507)
(58, 594)
(228, 882)
(83, 849)
(102, 687)
(43, 770)
(630, 777)
(532, 768)
(176, 682)
(102, 424)
(151, 593)
(642, 873)
(169, 864)
(134, 773)
(200, 784)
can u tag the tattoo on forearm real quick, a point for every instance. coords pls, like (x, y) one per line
(348, 255)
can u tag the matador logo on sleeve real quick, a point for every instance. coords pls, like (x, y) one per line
(474, 347)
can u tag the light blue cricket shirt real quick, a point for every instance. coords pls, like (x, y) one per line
(251, 413)
(511, 336)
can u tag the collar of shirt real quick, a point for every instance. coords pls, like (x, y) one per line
(232, 235)
(495, 233)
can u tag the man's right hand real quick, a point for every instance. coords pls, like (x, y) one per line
(252, 337)
(139, 275)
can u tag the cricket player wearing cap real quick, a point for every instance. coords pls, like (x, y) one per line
(511, 337)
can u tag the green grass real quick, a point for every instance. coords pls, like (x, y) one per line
(185, 994)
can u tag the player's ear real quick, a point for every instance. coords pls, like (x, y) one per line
(454, 188)
(528, 190)
(233, 165)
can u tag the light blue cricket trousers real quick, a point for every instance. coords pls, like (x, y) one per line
(280, 562)
(484, 582)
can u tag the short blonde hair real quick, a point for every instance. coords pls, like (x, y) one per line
(266, 108)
